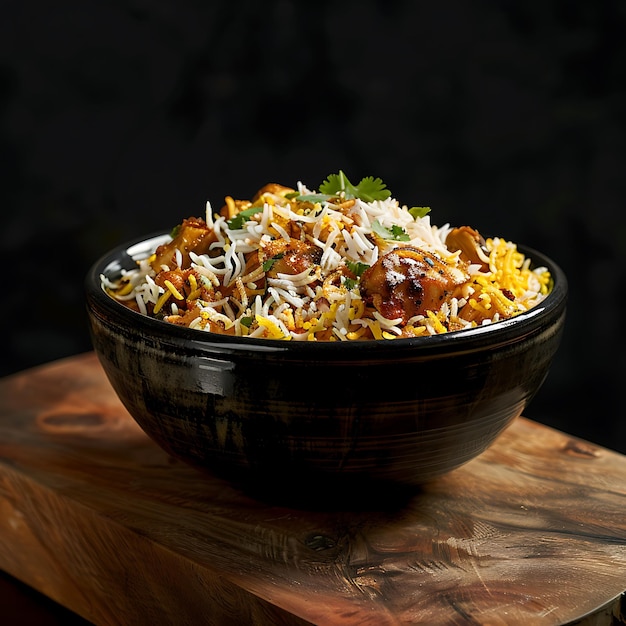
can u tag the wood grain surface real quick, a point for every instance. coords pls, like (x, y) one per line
(97, 517)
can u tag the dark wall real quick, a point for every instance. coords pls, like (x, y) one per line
(121, 117)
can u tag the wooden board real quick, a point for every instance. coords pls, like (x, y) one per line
(98, 518)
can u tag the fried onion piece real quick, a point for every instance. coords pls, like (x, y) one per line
(471, 245)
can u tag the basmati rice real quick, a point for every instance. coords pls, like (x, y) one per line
(283, 266)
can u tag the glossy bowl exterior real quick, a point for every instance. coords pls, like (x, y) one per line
(321, 415)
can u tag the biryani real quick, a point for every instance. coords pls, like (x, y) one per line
(343, 262)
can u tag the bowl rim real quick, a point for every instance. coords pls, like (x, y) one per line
(491, 335)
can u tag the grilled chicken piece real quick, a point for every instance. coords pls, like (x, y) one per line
(272, 189)
(407, 282)
(290, 257)
(193, 236)
(269, 192)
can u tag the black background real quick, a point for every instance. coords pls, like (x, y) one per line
(119, 118)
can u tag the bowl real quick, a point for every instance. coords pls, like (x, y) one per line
(321, 418)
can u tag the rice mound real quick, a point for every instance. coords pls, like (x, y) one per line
(295, 265)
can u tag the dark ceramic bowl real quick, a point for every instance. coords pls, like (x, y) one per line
(307, 417)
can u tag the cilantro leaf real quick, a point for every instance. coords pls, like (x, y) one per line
(399, 234)
(237, 222)
(308, 197)
(356, 267)
(349, 283)
(335, 184)
(395, 233)
(267, 264)
(419, 211)
(368, 190)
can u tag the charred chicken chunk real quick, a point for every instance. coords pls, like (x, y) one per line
(193, 235)
(270, 192)
(272, 189)
(407, 282)
(289, 257)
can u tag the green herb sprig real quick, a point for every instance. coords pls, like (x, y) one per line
(237, 222)
(395, 233)
(419, 211)
(369, 188)
(268, 263)
(357, 268)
